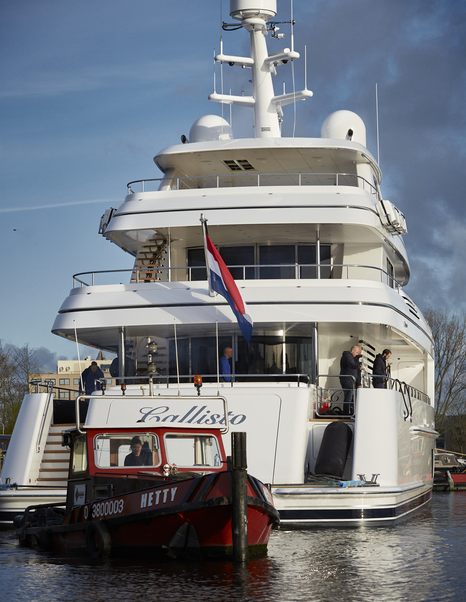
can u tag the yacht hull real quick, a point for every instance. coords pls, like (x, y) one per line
(304, 506)
(14, 501)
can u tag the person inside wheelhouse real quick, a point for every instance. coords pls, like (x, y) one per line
(140, 454)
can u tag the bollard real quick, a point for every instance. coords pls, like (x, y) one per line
(239, 497)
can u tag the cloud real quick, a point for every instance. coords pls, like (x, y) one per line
(54, 205)
(59, 81)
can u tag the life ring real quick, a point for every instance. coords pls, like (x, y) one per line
(98, 540)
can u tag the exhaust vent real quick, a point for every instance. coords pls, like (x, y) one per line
(238, 165)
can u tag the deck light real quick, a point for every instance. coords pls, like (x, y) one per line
(198, 383)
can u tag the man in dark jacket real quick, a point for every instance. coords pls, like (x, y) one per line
(350, 376)
(89, 378)
(380, 369)
(140, 454)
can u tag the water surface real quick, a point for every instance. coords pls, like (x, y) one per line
(421, 559)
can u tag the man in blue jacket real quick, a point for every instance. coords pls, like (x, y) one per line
(225, 364)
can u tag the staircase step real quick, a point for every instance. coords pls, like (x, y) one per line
(53, 482)
(52, 474)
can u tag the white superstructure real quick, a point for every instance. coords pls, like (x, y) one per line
(319, 258)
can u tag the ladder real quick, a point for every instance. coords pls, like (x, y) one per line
(148, 262)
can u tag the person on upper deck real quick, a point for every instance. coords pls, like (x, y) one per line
(89, 378)
(130, 368)
(225, 363)
(350, 376)
(381, 369)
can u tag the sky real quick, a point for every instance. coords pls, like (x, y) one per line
(91, 91)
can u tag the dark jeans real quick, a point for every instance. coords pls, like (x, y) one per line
(379, 382)
(348, 391)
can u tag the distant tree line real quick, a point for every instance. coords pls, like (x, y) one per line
(17, 364)
(449, 331)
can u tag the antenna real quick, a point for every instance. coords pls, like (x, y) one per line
(292, 26)
(305, 67)
(221, 73)
(377, 121)
(294, 98)
(79, 358)
(231, 114)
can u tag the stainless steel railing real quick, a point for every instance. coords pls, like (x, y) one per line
(330, 400)
(294, 271)
(252, 179)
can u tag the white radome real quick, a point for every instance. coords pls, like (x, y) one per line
(338, 124)
(210, 128)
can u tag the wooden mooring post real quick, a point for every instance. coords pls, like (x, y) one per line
(239, 497)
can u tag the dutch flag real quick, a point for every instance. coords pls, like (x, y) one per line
(223, 283)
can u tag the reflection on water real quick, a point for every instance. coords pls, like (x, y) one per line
(418, 560)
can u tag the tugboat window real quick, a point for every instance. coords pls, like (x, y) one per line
(117, 450)
(192, 451)
(79, 461)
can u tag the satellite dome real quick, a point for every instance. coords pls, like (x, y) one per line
(344, 125)
(209, 128)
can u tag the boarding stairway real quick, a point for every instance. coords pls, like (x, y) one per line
(149, 258)
(53, 471)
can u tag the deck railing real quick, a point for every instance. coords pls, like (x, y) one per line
(330, 399)
(251, 179)
(292, 271)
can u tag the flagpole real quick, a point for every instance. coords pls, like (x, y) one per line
(176, 356)
(218, 351)
(204, 233)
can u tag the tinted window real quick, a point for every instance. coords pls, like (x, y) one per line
(281, 258)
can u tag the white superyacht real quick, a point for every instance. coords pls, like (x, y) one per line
(318, 256)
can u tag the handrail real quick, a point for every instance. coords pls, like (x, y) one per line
(258, 179)
(392, 383)
(44, 416)
(158, 398)
(296, 268)
(169, 379)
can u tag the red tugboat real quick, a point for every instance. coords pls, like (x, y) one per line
(148, 475)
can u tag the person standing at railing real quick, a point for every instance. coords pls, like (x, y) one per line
(350, 376)
(225, 364)
(89, 378)
(381, 369)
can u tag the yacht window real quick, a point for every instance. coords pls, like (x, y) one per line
(196, 263)
(273, 261)
(79, 455)
(390, 274)
(239, 256)
(307, 259)
(117, 450)
(233, 256)
(281, 259)
(192, 451)
(271, 355)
